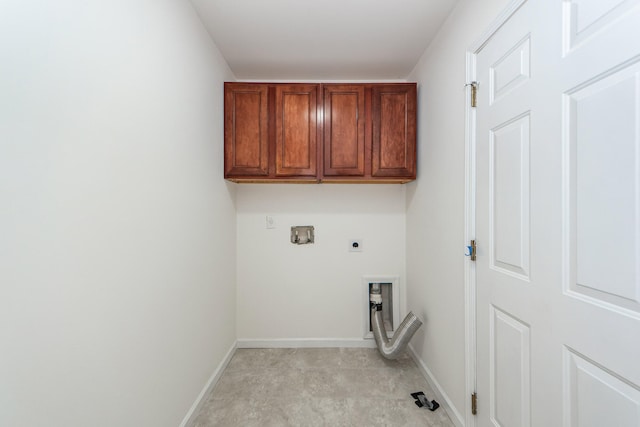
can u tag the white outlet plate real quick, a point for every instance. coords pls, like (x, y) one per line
(270, 222)
(355, 245)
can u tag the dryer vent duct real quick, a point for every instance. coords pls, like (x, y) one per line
(390, 348)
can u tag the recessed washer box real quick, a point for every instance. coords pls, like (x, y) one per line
(390, 286)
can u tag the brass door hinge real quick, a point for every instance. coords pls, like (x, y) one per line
(474, 403)
(474, 93)
(471, 250)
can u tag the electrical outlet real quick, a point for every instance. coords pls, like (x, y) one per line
(355, 245)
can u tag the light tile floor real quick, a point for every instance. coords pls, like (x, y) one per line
(318, 387)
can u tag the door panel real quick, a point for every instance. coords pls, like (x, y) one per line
(558, 216)
(585, 18)
(510, 71)
(394, 136)
(246, 130)
(296, 130)
(590, 388)
(602, 135)
(510, 374)
(509, 197)
(344, 130)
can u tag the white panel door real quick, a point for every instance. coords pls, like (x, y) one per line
(557, 142)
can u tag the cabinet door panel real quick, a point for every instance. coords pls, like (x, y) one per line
(394, 130)
(245, 130)
(296, 130)
(344, 138)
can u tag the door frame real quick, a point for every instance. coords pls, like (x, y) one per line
(470, 202)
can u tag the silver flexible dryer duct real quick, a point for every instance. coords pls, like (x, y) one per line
(391, 349)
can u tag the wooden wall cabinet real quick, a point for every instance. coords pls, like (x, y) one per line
(320, 132)
(246, 130)
(394, 131)
(296, 124)
(344, 127)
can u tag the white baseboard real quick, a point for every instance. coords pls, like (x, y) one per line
(441, 396)
(307, 343)
(202, 397)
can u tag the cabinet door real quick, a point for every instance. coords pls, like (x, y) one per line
(344, 139)
(394, 130)
(296, 130)
(246, 136)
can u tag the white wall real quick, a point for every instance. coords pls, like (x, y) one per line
(314, 291)
(435, 202)
(117, 247)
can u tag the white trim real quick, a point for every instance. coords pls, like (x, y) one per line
(440, 396)
(470, 234)
(470, 210)
(366, 312)
(497, 23)
(306, 343)
(204, 393)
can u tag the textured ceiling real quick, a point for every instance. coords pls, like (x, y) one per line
(328, 39)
